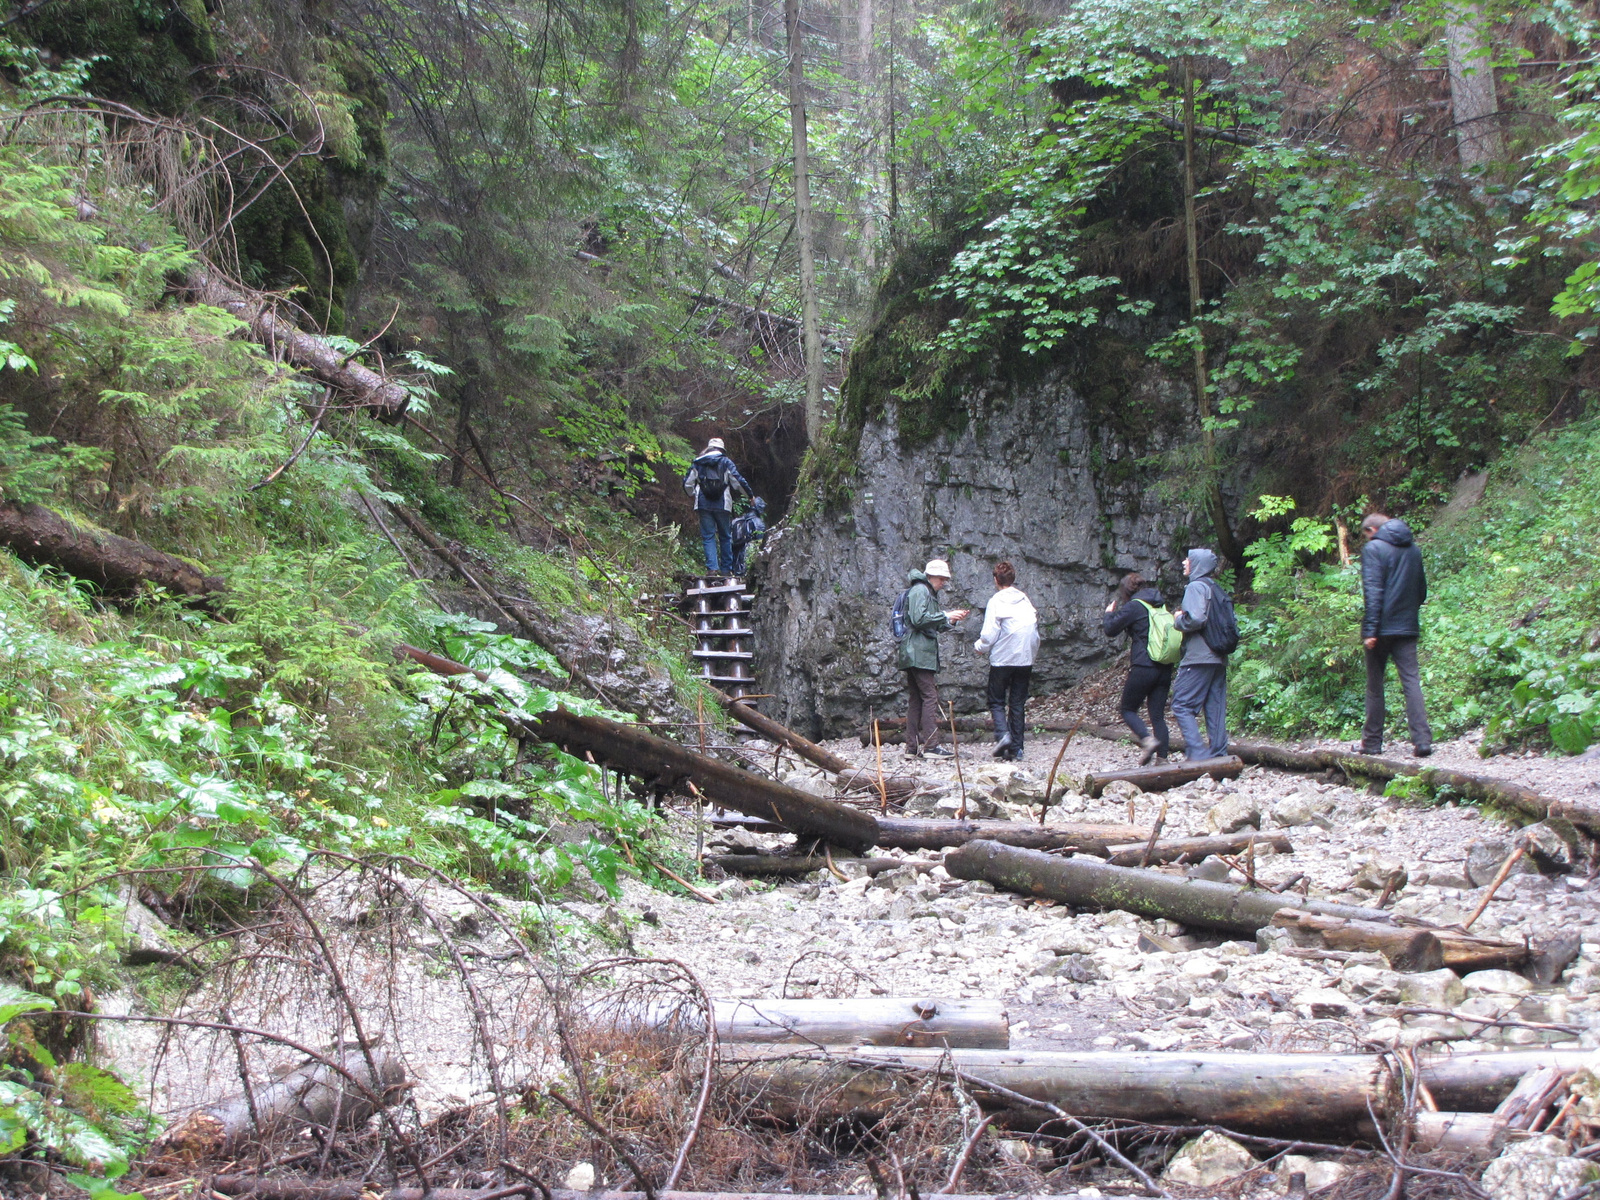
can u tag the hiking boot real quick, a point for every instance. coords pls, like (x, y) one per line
(1421, 751)
(1149, 747)
(1363, 748)
(938, 752)
(1002, 745)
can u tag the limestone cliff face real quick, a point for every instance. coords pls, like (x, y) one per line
(1036, 480)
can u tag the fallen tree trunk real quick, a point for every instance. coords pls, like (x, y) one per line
(1279, 1094)
(1477, 1134)
(667, 766)
(1470, 787)
(316, 1094)
(780, 735)
(784, 866)
(892, 730)
(1161, 778)
(1084, 883)
(303, 1189)
(1460, 952)
(870, 1021)
(387, 399)
(912, 833)
(1196, 848)
(120, 565)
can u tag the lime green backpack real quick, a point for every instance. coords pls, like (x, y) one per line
(1165, 642)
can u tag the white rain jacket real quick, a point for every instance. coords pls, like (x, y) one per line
(1010, 629)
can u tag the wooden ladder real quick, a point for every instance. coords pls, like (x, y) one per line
(724, 642)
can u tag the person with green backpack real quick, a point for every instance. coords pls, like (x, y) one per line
(1154, 646)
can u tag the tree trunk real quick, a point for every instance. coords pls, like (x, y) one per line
(909, 833)
(314, 1095)
(1472, 787)
(1196, 848)
(1460, 952)
(1161, 778)
(1472, 92)
(1191, 231)
(1479, 1135)
(388, 400)
(120, 565)
(896, 788)
(666, 766)
(786, 867)
(867, 119)
(1278, 1094)
(810, 316)
(779, 735)
(1082, 883)
(869, 1021)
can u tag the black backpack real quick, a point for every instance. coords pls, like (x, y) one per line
(1222, 626)
(712, 477)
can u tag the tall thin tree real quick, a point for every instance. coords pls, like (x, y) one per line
(810, 318)
(1191, 230)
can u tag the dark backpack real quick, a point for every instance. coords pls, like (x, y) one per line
(898, 625)
(1222, 627)
(712, 477)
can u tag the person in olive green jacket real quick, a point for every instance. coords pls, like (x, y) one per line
(919, 655)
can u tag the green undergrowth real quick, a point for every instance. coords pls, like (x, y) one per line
(1511, 630)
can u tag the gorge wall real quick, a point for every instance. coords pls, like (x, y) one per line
(1045, 477)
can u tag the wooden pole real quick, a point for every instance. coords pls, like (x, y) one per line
(1163, 778)
(779, 734)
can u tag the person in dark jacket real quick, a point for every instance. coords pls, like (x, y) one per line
(712, 481)
(1393, 586)
(1201, 685)
(1148, 682)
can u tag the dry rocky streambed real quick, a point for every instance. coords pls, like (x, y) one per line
(1280, 1032)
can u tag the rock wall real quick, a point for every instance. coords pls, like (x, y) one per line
(1037, 480)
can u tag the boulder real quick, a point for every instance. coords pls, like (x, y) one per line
(1432, 989)
(1485, 858)
(1370, 983)
(1320, 1002)
(1554, 847)
(1207, 1161)
(1538, 1168)
(581, 1178)
(1024, 787)
(1212, 869)
(1375, 874)
(1292, 811)
(1121, 789)
(1318, 1174)
(1233, 814)
(1504, 983)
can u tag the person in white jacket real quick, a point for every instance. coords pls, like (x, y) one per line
(1010, 638)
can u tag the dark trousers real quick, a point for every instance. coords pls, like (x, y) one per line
(1008, 695)
(1148, 686)
(1202, 688)
(922, 715)
(1404, 652)
(716, 536)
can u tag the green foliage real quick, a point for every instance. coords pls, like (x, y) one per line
(1511, 630)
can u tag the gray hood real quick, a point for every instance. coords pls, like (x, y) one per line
(1203, 562)
(1396, 532)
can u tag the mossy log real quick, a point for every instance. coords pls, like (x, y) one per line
(1479, 788)
(1279, 1094)
(120, 565)
(1085, 883)
(387, 399)
(1164, 777)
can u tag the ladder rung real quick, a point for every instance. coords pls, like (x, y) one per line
(744, 654)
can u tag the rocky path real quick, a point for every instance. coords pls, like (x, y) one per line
(1108, 980)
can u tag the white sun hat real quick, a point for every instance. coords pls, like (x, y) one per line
(937, 566)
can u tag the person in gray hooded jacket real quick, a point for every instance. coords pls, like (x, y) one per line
(1201, 685)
